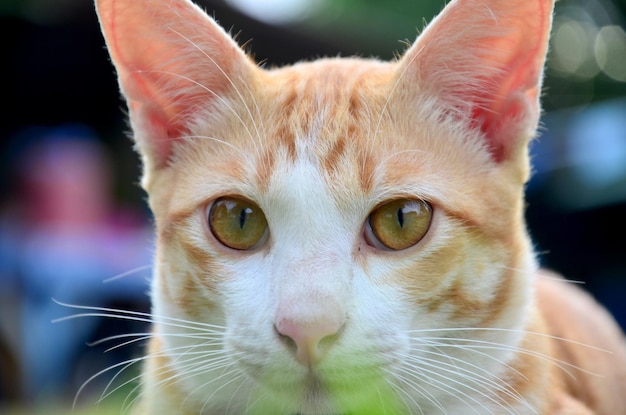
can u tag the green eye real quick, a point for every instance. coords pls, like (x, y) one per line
(399, 224)
(237, 223)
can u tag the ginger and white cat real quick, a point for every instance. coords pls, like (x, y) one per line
(346, 236)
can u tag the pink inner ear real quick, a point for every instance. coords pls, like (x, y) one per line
(501, 122)
(153, 116)
(158, 130)
(172, 62)
(515, 98)
(494, 125)
(487, 54)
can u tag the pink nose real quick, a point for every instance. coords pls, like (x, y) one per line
(307, 337)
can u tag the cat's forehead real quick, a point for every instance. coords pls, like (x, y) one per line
(325, 99)
(349, 119)
(327, 113)
(331, 76)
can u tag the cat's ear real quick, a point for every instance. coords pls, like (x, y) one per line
(173, 63)
(485, 59)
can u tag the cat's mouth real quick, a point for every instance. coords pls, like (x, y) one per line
(316, 398)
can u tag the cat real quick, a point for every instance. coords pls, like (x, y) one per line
(346, 235)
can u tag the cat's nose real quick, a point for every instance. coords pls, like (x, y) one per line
(310, 339)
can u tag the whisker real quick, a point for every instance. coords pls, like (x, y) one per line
(216, 364)
(419, 389)
(134, 316)
(223, 385)
(457, 368)
(561, 279)
(443, 386)
(481, 344)
(146, 336)
(127, 273)
(106, 315)
(436, 343)
(234, 394)
(486, 382)
(127, 404)
(124, 364)
(516, 331)
(139, 337)
(106, 392)
(541, 274)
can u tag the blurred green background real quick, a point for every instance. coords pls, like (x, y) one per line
(58, 83)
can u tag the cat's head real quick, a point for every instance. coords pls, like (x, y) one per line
(326, 228)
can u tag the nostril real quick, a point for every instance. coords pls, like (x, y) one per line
(288, 341)
(309, 340)
(289, 331)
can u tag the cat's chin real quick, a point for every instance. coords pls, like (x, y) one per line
(315, 396)
(311, 397)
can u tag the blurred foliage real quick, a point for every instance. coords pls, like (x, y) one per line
(371, 26)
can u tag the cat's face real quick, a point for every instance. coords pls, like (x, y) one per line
(330, 232)
(318, 169)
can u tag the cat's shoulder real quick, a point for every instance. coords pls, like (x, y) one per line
(587, 339)
(555, 294)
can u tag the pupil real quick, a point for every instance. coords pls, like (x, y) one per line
(242, 218)
(401, 218)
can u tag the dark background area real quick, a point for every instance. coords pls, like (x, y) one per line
(56, 73)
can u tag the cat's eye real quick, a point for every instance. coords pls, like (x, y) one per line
(398, 224)
(237, 223)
